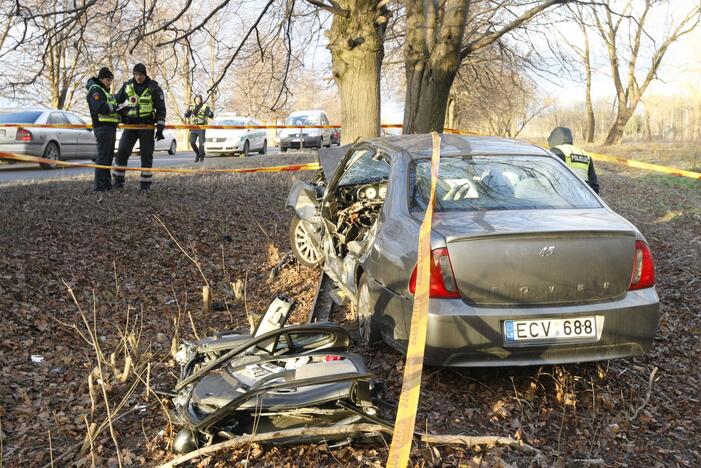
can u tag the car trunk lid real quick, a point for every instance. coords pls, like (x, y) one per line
(538, 257)
(8, 134)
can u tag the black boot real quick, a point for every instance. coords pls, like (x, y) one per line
(145, 186)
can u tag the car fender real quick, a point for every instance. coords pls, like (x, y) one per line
(303, 199)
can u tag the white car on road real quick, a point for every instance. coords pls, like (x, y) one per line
(236, 140)
(302, 136)
(169, 143)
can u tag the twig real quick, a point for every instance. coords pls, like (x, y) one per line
(183, 250)
(91, 429)
(469, 441)
(650, 381)
(51, 450)
(192, 324)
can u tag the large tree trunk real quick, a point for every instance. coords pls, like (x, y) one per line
(356, 42)
(616, 131)
(431, 59)
(427, 95)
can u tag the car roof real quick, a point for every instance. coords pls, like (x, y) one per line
(421, 145)
(307, 112)
(7, 110)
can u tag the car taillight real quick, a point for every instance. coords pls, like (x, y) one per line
(442, 282)
(333, 358)
(23, 135)
(643, 268)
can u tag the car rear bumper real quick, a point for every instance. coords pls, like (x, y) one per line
(460, 335)
(31, 149)
(294, 142)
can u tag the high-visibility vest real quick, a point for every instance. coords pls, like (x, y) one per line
(199, 118)
(112, 117)
(141, 105)
(577, 159)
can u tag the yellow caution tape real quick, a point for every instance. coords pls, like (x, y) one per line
(596, 156)
(53, 162)
(648, 166)
(413, 367)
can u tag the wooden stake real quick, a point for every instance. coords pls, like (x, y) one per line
(206, 300)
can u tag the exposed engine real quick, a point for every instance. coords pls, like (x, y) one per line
(359, 207)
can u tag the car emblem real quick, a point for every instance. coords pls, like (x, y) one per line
(547, 251)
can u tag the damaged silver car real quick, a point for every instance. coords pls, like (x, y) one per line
(529, 265)
(278, 377)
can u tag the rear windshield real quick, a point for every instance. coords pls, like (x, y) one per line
(20, 117)
(303, 120)
(238, 122)
(482, 183)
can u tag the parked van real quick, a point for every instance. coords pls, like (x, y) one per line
(302, 136)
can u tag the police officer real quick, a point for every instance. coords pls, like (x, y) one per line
(560, 142)
(198, 115)
(145, 105)
(103, 110)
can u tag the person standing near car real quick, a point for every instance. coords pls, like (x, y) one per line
(145, 106)
(103, 111)
(198, 114)
(560, 142)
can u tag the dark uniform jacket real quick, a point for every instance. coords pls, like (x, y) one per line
(159, 104)
(97, 102)
(563, 136)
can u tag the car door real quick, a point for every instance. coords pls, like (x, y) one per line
(66, 137)
(86, 144)
(260, 134)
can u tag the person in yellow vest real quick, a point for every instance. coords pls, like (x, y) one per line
(103, 111)
(560, 142)
(145, 106)
(198, 114)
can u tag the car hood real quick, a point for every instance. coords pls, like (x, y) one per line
(330, 159)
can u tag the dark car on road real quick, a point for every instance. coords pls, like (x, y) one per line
(50, 143)
(529, 266)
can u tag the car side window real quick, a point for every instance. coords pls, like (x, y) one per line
(364, 167)
(73, 119)
(57, 118)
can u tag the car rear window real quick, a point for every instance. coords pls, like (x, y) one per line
(303, 120)
(20, 117)
(482, 183)
(235, 122)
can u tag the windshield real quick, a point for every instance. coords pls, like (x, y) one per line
(499, 183)
(303, 120)
(238, 122)
(20, 117)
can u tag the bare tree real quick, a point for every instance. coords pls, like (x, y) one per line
(439, 37)
(580, 15)
(623, 34)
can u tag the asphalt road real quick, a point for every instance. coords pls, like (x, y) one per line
(26, 171)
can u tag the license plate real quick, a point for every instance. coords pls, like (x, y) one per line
(550, 330)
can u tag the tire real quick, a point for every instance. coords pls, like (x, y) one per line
(368, 330)
(303, 249)
(328, 145)
(246, 149)
(173, 148)
(52, 151)
(264, 149)
(283, 149)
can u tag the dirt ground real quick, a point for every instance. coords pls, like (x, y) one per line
(137, 264)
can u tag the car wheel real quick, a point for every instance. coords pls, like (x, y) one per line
(302, 246)
(246, 149)
(367, 327)
(264, 149)
(173, 147)
(283, 149)
(52, 151)
(328, 145)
